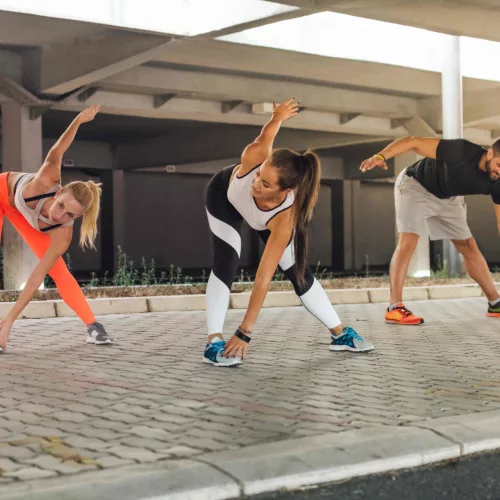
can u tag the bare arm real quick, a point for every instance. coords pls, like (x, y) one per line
(497, 214)
(423, 146)
(51, 168)
(260, 149)
(279, 239)
(60, 240)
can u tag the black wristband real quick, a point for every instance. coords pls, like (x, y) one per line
(242, 336)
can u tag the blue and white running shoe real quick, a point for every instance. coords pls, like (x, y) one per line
(349, 340)
(213, 354)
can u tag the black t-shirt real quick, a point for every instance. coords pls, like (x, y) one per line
(455, 171)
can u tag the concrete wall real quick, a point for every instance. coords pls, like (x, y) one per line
(87, 154)
(320, 231)
(166, 220)
(88, 260)
(482, 222)
(374, 225)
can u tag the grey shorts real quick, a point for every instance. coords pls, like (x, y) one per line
(415, 207)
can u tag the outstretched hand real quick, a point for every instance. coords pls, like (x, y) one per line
(286, 109)
(235, 348)
(5, 327)
(374, 161)
(89, 114)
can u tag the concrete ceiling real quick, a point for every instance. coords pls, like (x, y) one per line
(154, 82)
(474, 18)
(25, 31)
(117, 129)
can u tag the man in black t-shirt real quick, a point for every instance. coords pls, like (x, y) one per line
(426, 194)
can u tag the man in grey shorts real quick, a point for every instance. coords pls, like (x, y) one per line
(426, 193)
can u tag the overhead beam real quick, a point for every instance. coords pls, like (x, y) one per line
(20, 95)
(219, 142)
(87, 93)
(257, 23)
(479, 136)
(250, 89)
(347, 117)
(160, 100)
(210, 111)
(431, 110)
(65, 67)
(415, 126)
(480, 106)
(228, 106)
(11, 64)
(321, 5)
(235, 57)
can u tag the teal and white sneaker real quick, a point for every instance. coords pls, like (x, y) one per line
(349, 340)
(213, 354)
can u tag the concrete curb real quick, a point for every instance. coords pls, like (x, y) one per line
(133, 305)
(280, 465)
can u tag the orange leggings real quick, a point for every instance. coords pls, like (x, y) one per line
(68, 288)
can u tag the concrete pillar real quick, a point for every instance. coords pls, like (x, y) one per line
(451, 82)
(21, 152)
(420, 266)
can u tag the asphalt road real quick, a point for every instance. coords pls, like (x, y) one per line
(473, 478)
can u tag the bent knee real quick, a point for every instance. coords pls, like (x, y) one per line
(408, 241)
(466, 246)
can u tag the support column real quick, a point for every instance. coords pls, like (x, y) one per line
(420, 266)
(451, 82)
(21, 152)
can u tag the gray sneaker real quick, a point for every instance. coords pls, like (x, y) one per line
(349, 340)
(98, 335)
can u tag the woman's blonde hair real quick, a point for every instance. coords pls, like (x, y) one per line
(88, 194)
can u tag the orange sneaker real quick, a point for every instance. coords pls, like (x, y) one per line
(493, 311)
(402, 316)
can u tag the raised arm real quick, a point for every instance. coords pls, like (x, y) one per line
(60, 240)
(51, 168)
(281, 231)
(424, 146)
(260, 149)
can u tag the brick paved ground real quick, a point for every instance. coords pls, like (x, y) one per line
(67, 407)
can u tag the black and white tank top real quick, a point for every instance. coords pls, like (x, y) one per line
(240, 196)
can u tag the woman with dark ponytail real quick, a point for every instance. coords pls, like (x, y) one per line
(275, 192)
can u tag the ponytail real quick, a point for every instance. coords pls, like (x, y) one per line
(303, 174)
(88, 194)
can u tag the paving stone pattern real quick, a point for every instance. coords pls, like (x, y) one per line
(68, 408)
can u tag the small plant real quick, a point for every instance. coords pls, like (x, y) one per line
(441, 271)
(279, 275)
(125, 274)
(367, 266)
(68, 260)
(94, 280)
(148, 275)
